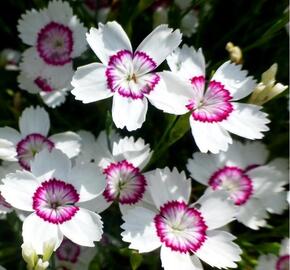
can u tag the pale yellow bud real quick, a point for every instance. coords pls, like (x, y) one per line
(235, 53)
(267, 89)
(48, 249)
(29, 255)
(41, 265)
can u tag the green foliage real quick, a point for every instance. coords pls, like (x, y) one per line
(258, 27)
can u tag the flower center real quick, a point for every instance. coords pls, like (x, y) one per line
(235, 182)
(44, 85)
(128, 74)
(125, 183)
(68, 251)
(213, 105)
(55, 44)
(28, 147)
(180, 227)
(283, 262)
(54, 201)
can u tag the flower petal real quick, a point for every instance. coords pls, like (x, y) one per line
(37, 231)
(253, 214)
(246, 154)
(202, 166)
(55, 98)
(129, 113)
(172, 260)
(187, 62)
(88, 181)
(136, 152)
(47, 165)
(217, 210)
(10, 134)
(171, 94)
(79, 36)
(7, 150)
(18, 189)
(90, 83)
(97, 205)
(275, 202)
(160, 43)
(107, 40)
(235, 80)
(84, 228)
(67, 142)
(166, 185)
(30, 24)
(139, 230)
(266, 179)
(34, 120)
(219, 251)
(267, 262)
(59, 11)
(209, 136)
(281, 165)
(246, 120)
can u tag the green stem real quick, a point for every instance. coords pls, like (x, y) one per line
(159, 148)
(52, 262)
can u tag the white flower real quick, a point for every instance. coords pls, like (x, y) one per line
(122, 166)
(74, 257)
(271, 261)
(52, 93)
(2, 268)
(126, 75)
(55, 192)
(213, 108)
(56, 36)
(254, 186)
(34, 125)
(184, 232)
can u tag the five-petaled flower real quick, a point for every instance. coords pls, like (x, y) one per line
(128, 76)
(122, 167)
(213, 109)
(184, 232)
(255, 186)
(56, 193)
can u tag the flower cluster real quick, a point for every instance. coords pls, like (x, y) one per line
(59, 184)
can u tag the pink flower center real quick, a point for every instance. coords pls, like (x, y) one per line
(125, 183)
(235, 182)
(68, 251)
(54, 201)
(283, 262)
(55, 44)
(44, 85)
(212, 105)
(180, 227)
(127, 74)
(28, 147)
